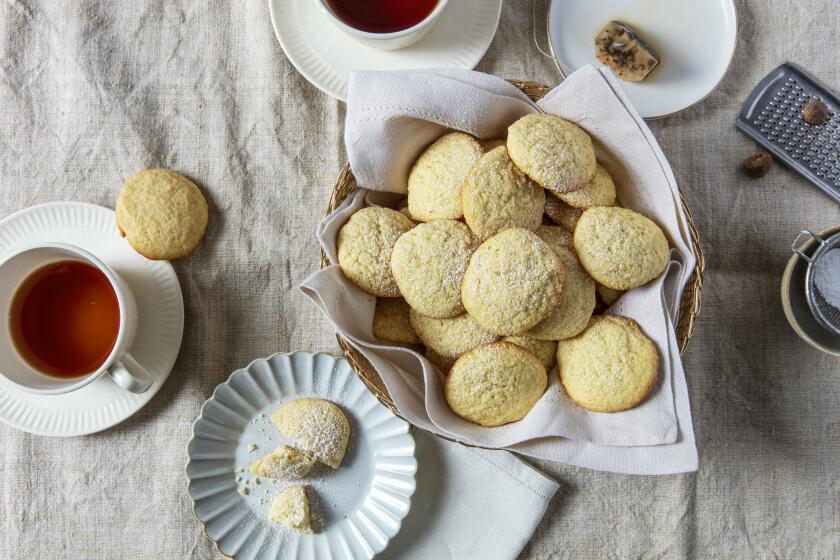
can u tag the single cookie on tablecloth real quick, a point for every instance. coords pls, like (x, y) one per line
(561, 213)
(545, 350)
(620, 248)
(428, 264)
(365, 243)
(555, 153)
(514, 280)
(390, 321)
(162, 214)
(317, 426)
(435, 180)
(577, 303)
(291, 508)
(600, 192)
(496, 195)
(495, 384)
(610, 367)
(450, 338)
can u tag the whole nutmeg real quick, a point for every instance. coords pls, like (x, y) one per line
(758, 165)
(815, 112)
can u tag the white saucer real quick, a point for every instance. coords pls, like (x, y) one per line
(325, 55)
(695, 40)
(101, 404)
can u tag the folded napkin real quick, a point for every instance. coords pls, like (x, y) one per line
(392, 117)
(465, 495)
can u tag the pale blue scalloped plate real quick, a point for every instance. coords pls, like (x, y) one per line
(356, 508)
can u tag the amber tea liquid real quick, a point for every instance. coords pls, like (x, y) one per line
(64, 319)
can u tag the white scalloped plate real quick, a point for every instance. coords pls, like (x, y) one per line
(359, 506)
(100, 404)
(325, 55)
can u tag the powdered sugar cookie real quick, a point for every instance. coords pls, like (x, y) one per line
(514, 280)
(496, 196)
(434, 183)
(576, 304)
(449, 338)
(365, 243)
(600, 192)
(316, 426)
(552, 151)
(620, 248)
(610, 367)
(495, 384)
(428, 264)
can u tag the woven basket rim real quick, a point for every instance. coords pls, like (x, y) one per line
(689, 304)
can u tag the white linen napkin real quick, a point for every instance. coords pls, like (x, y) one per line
(391, 117)
(465, 494)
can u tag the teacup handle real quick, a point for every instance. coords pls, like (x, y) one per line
(130, 375)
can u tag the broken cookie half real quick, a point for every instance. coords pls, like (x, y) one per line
(291, 508)
(621, 49)
(285, 462)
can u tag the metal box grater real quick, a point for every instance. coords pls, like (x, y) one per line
(772, 116)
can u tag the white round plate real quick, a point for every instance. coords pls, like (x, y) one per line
(101, 404)
(695, 40)
(325, 55)
(359, 506)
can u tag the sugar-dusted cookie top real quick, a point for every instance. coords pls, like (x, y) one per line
(611, 366)
(449, 338)
(576, 304)
(496, 195)
(552, 151)
(434, 182)
(620, 248)
(316, 426)
(365, 243)
(428, 264)
(513, 281)
(495, 384)
(600, 192)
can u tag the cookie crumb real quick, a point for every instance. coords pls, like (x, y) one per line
(758, 165)
(242, 490)
(815, 112)
(252, 447)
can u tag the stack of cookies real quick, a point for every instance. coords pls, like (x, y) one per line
(496, 262)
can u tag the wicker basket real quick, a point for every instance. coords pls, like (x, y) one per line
(689, 306)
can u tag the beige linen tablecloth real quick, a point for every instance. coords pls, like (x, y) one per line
(92, 91)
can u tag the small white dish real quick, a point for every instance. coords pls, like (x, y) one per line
(101, 403)
(362, 503)
(388, 41)
(325, 56)
(695, 40)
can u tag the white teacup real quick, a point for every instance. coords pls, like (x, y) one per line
(121, 367)
(387, 41)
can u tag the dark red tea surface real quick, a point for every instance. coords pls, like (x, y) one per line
(64, 319)
(382, 16)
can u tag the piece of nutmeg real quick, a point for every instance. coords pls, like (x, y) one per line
(758, 165)
(815, 112)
